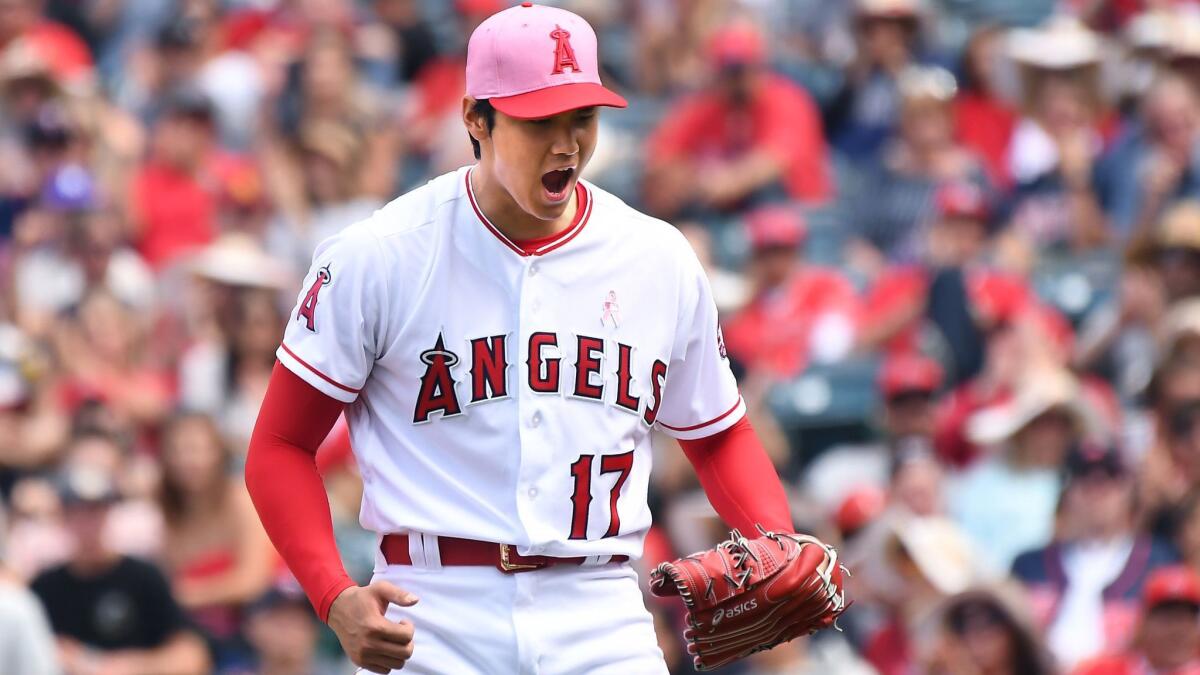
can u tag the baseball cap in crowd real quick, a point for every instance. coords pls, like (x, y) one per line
(775, 226)
(859, 508)
(534, 61)
(737, 44)
(285, 593)
(909, 373)
(960, 199)
(86, 486)
(1090, 459)
(1172, 584)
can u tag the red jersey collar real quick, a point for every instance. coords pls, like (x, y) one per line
(541, 245)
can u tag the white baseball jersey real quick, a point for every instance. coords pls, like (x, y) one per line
(503, 395)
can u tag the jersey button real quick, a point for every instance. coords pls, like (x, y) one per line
(533, 269)
(532, 493)
(536, 419)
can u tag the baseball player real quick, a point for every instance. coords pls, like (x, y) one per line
(502, 341)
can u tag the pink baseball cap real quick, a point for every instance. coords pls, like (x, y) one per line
(535, 61)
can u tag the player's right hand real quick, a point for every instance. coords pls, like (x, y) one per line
(358, 617)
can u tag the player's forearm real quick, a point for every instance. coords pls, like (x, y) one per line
(739, 479)
(286, 488)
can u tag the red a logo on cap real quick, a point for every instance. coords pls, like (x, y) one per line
(564, 55)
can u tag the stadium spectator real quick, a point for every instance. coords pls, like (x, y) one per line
(922, 561)
(111, 611)
(749, 138)
(1059, 138)
(981, 633)
(797, 312)
(1173, 250)
(1085, 584)
(172, 208)
(1007, 500)
(1153, 164)
(223, 372)
(949, 287)
(1168, 634)
(907, 384)
(894, 201)
(887, 36)
(984, 121)
(105, 358)
(282, 629)
(26, 642)
(217, 555)
(1182, 442)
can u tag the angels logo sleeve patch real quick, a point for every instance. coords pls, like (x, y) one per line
(700, 394)
(332, 332)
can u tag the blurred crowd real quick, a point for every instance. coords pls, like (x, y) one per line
(955, 245)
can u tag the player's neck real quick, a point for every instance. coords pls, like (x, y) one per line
(506, 215)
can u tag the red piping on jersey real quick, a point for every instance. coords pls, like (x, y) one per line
(714, 420)
(541, 245)
(318, 373)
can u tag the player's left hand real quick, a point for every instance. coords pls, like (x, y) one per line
(748, 595)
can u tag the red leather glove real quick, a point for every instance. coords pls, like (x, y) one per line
(748, 595)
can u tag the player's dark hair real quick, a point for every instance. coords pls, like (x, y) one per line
(483, 107)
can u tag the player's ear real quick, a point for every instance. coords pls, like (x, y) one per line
(475, 121)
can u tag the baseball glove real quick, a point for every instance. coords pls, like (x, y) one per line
(748, 595)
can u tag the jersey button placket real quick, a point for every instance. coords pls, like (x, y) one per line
(534, 452)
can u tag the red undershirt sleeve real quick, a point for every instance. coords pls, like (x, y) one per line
(281, 475)
(739, 479)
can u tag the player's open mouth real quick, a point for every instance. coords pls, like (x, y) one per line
(555, 183)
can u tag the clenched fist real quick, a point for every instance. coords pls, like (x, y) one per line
(358, 617)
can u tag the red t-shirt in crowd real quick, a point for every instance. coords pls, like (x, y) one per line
(994, 296)
(174, 210)
(985, 125)
(774, 331)
(781, 119)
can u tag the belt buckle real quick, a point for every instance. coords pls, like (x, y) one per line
(513, 567)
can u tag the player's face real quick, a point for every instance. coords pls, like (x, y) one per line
(539, 161)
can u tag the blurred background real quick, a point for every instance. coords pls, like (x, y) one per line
(955, 245)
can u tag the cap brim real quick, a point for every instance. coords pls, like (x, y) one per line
(559, 99)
